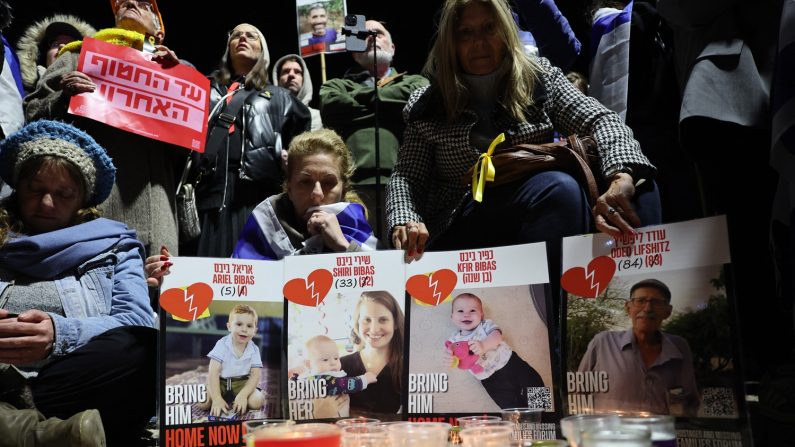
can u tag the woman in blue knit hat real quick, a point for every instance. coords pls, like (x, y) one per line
(75, 317)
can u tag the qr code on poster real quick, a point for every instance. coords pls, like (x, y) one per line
(718, 402)
(539, 397)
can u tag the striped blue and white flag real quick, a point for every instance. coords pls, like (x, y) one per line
(609, 71)
(263, 236)
(12, 118)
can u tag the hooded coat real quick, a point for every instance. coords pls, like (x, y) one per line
(29, 47)
(305, 94)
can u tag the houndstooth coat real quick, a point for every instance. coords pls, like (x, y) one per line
(426, 184)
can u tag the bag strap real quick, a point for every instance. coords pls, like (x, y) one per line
(220, 128)
(185, 172)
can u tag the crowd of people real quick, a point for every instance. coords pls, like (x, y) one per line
(278, 178)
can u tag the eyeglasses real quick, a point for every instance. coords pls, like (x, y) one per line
(249, 35)
(143, 4)
(643, 301)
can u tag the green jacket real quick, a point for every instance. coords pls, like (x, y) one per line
(347, 105)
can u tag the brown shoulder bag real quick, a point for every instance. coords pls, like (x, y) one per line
(577, 156)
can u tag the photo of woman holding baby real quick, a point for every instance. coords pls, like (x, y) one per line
(377, 334)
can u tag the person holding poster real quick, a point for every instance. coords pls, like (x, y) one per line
(377, 334)
(42, 41)
(483, 86)
(309, 216)
(143, 196)
(318, 212)
(242, 162)
(647, 369)
(74, 307)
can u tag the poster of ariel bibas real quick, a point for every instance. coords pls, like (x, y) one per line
(650, 326)
(480, 335)
(221, 324)
(345, 335)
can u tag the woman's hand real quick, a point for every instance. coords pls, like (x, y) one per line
(27, 338)
(412, 237)
(75, 82)
(156, 267)
(613, 212)
(328, 227)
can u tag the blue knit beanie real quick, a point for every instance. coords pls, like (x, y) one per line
(59, 139)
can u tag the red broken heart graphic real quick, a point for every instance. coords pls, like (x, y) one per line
(591, 281)
(432, 289)
(309, 292)
(187, 303)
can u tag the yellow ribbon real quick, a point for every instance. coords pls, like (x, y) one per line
(485, 172)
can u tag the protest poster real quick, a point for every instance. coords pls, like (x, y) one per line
(212, 310)
(345, 320)
(458, 298)
(320, 26)
(140, 96)
(682, 304)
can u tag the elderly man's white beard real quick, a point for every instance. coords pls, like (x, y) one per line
(365, 58)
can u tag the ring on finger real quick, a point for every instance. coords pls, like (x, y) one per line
(611, 210)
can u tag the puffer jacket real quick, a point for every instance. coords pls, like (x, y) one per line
(268, 120)
(30, 51)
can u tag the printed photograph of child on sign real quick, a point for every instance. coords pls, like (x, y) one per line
(345, 356)
(224, 366)
(480, 350)
(319, 26)
(685, 315)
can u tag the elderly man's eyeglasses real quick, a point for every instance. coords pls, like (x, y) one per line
(143, 4)
(641, 302)
(249, 35)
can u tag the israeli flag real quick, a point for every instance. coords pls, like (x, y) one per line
(263, 237)
(12, 92)
(609, 72)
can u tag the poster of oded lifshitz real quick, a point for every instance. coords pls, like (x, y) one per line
(345, 335)
(650, 326)
(479, 337)
(221, 324)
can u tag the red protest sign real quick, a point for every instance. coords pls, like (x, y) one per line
(139, 96)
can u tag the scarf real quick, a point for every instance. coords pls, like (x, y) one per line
(47, 255)
(116, 36)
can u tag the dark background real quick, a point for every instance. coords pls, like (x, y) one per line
(197, 31)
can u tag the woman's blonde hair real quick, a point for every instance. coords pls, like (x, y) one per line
(519, 71)
(10, 221)
(324, 141)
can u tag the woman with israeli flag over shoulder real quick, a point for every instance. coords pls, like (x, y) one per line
(318, 212)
